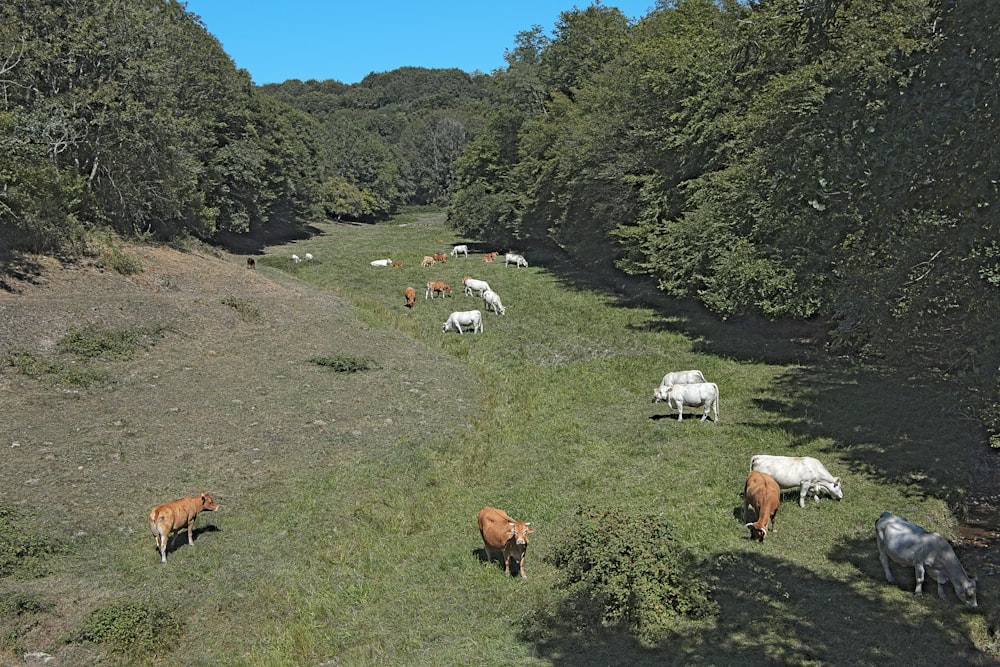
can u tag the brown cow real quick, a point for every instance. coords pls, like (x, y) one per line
(251, 263)
(504, 534)
(490, 256)
(411, 297)
(440, 257)
(397, 264)
(764, 495)
(175, 516)
(436, 287)
(426, 261)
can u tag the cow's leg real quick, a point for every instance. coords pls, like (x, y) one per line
(520, 568)
(804, 487)
(191, 532)
(884, 558)
(918, 571)
(506, 562)
(161, 544)
(708, 406)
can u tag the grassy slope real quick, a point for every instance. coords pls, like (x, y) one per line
(347, 534)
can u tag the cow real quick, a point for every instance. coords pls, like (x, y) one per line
(397, 264)
(295, 259)
(460, 250)
(473, 285)
(491, 300)
(928, 553)
(382, 262)
(436, 287)
(426, 261)
(440, 257)
(694, 395)
(411, 297)
(515, 259)
(682, 377)
(763, 494)
(804, 472)
(504, 535)
(490, 256)
(464, 318)
(251, 263)
(309, 257)
(175, 516)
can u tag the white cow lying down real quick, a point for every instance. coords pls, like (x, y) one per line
(464, 318)
(694, 395)
(382, 262)
(799, 471)
(682, 377)
(908, 544)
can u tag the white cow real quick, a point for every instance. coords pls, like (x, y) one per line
(694, 395)
(460, 249)
(515, 259)
(464, 318)
(309, 256)
(804, 472)
(473, 285)
(682, 377)
(295, 259)
(491, 300)
(928, 553)
(382, 262)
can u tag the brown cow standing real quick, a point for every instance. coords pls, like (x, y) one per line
(175, 516)
(504, 534)
(251, 263)
(411, 297)
(764, 495)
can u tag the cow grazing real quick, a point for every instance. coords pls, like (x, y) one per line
(473, 285)
(504, 535)
(309, 257)
(411, 297)
(436, 287)
(295, 259)
(396, 264)
(440, 257)
(694, 395)
(763, 494)
(460, 250)
(682, 377)
(464, 318)
(804, 472)
(382, 262)
(515, 259)
(426, 261)
(928, 553)
(491, 300)
(251, 263)
(175, 516)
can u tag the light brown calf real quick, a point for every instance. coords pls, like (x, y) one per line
(411, 297)
(436, 287)
(427, 261)
(764, 495)
(175, 516)
(440, 257)
(505, 535)
(397, 264)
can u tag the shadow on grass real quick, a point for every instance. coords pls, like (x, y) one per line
(179, 539)
(773, 612)
(480, 554)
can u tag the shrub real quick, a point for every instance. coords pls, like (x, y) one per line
(120, 262)
(247, 309)
(127, 627)
(627, 572)
(53, 370)
(92, 342)
(22, 551)
(343, 363)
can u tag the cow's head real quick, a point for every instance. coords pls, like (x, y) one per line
(208, 503)
(967, 593)
(757, 532)
(519, 532)
(660, 394)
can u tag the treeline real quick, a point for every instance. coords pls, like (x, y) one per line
(833, 159)
(127, 115)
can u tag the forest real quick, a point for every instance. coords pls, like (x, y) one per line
(826, 161)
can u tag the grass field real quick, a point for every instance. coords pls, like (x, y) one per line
(347, 534)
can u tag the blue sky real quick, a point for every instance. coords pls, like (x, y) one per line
(345, 40)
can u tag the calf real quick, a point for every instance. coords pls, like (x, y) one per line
(694, 395)
(490, 256)
(411, 297)
(440, 257)
(175, 516)
(464, 318)
(460, 250)
(473, 285)
(504, 535)
(762, 493)
(491, 300)
(928, 553)
(436, 287)
(251, 263)
(426, 261)
(397, 264)
(804, 472)
(515, 259)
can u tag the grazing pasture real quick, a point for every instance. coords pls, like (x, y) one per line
(348, 531)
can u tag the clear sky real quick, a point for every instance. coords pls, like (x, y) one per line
(345, 40)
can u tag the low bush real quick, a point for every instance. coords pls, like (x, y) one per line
(23, 552)
(127, 627)
(53, 370)
(343, 363)
(248, 310)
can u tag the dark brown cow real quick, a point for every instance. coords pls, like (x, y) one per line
(505, 535)
(440, 257)
(251, 263)
(175, 516)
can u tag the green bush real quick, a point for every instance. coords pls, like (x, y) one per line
(55, 371)
(120, 262)
(127, 627)
(343, 363)
(626, 572)
(92, 342)
(22, 551)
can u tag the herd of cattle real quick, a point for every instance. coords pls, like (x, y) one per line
(898, 540)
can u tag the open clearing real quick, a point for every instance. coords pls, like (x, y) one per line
(347, 529)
